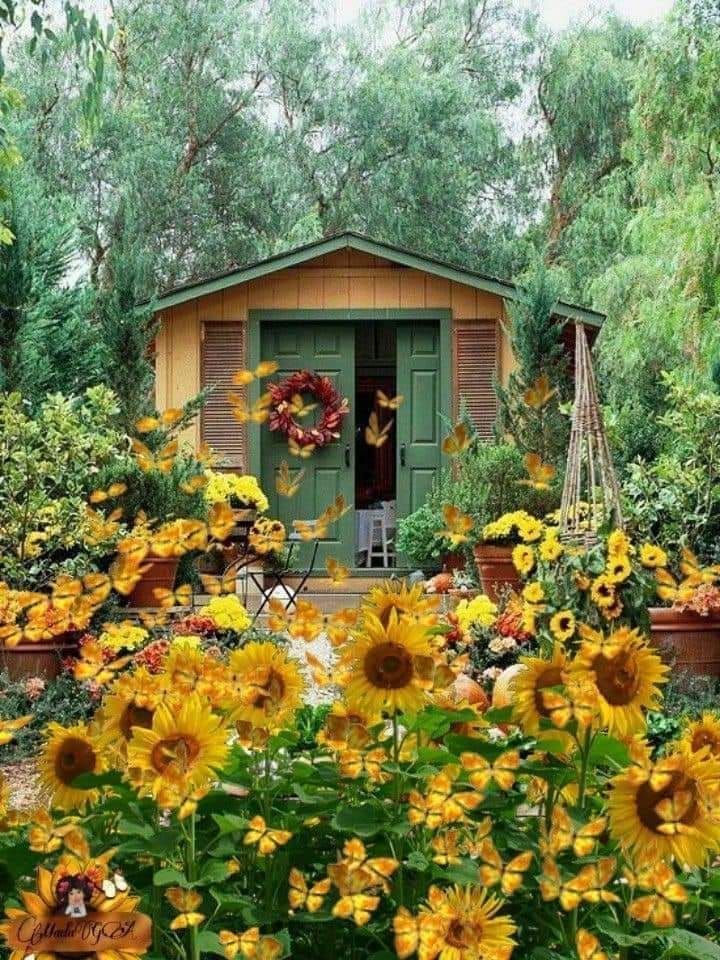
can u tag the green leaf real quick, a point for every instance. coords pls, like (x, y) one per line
(229, 822)
(365, 820)
(606, 749)
(685, 943)
(214, 871)
(623, 939)
(209, 942)
(169, 875)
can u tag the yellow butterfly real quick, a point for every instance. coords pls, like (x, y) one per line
(588, 946)
(503, 771)
(241, 378)
(298, 407)
(657, 908)
(285, 484)
(379, 869)
(267, 839)
(11, 634)
(457, 441)
(457, 525)
(588, 885)
(302, 897)
(91, 664)
(539, 393)
(388, 403)
(148, 461)
(221, 521)
(375, 436)
(113, 491)
(168, 418)
(303, 451)
(540, 474)
(320, 675)
(693, 572)
(338, 508)
(358, 906)
(354, 763)
(671, 811)
(492, 872)
(124, 574)
(452, 806)
(186, 903)
(245, 943)
(151, 619)
(337, 571)
(218, 585)
(407, 933)
(446, 848)
(564, 834)
(8, 728)
(266, 368)
(182, 597)
(194, 484)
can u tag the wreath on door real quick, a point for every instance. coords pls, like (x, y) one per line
(287, 404)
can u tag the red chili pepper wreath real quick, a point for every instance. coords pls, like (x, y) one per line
(334, 408)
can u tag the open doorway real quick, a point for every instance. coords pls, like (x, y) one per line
(375, 467)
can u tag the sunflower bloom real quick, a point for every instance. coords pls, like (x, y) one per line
(626, 673)
(68, 753)
(703, 734)
(385, 666)
(182, 750)
(668, 809)
(269, 685)
(527, 688)
(463, 923)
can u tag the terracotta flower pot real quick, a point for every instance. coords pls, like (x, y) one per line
(452, 561)
(496, 570)
(689, 640)
(160, 573)
(39, 659)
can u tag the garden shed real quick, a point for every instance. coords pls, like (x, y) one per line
(372, 316)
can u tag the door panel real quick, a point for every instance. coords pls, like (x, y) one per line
(418, 423)
(328, 349)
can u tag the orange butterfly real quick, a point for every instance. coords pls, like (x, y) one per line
(539, 393)
(337, 571)
(503, 771)
(302, 897)
(186, 903)
(148, 461)
(267, 839)
(388, 403)
(510, 876)
(540, 474)
(113, 491)
(194, 484)
(285, 484)
(304, 451)
(588, 946)
(182, 597)
(457, 525)
(457, 441)
(375, 436)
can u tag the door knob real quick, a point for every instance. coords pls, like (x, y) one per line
(347, 454)
(402, 454)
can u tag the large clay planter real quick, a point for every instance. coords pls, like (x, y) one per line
(39, 659)
(687, 639)
(160, 573)
(452, 561)
(496, 570)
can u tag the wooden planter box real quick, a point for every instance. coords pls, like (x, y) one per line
(687, 639)
(496, 570)
(160, 573)
(39, 659)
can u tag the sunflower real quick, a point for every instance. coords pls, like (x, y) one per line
(550, 549)
(47, 902)
(626, 673)
(269, 685)
(527, 688)
(618, 568)
(652, 557)
(385, 666)
(618, 544)
(602, 591)
(180, 752)
(461, 923)
(523, 557)
(67, 754)
(131, 703)
(534, 592)
(703, 733)
(407, 601)
(562, 625)
(668, 809)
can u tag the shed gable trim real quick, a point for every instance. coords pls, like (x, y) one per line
(406, 258)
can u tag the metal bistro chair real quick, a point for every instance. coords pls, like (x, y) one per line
(277, 577)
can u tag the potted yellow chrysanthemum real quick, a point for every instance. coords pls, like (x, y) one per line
(505, 551)
(242, 492)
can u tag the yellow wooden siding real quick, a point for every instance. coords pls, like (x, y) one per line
(344, 279)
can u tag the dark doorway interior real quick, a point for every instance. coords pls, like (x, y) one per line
(375, 359)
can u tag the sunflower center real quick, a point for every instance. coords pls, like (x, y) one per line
(704, 738)
(552, 677)
(618, 677)
(134, 716)
(266, 693)
(389, 666)
(75, 757)
(675, 792)
(178, 750)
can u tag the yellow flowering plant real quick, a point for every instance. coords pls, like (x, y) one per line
(410, 823)
(236, 489)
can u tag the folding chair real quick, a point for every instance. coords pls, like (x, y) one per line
(279, 577)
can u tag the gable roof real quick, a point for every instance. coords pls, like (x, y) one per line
(356, 241)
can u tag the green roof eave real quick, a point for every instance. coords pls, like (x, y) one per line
(356, 241)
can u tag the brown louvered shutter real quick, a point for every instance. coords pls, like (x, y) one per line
(223, 352)
(477, 360)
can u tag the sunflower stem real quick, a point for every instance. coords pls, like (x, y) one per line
(584, 763)
(397, 792)
(191, 872)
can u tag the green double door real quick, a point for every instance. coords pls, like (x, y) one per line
(329, 349)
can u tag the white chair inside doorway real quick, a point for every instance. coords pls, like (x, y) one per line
(381, 534)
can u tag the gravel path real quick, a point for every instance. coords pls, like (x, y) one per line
(22, 780)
